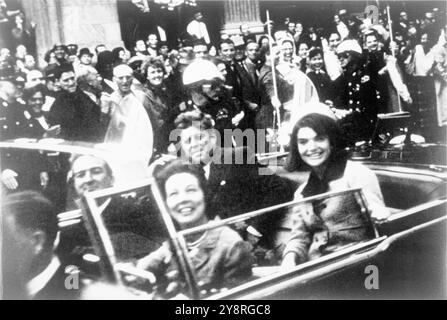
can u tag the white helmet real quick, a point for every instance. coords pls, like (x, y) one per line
(201, 70)
(349, 45)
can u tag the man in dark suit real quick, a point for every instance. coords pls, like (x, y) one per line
(234, 179)
(133, 223)
(77, 114)
(226, 51)
(37, 272)
(248, 73)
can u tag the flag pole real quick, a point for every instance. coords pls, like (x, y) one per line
(276, 114)
(392, 51)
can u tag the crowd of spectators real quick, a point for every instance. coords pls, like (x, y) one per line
(152, 99)
(358, 68)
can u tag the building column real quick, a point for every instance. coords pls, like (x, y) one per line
(86, 23)
(237, 12)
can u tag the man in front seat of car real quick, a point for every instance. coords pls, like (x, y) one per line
(31, 264)
(90, 174)
(133, 224)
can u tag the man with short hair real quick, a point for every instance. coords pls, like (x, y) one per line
(90, 173)
(76, 113)
(197, 28)
(403, 25)
(227, 51)
(30, 248)
(130, 125)
(200, 49)
(133, 225)
(60, 53)
(90, 82)
(376, 64)
(291, 28)
(152, 45)
(248, 73)
(331, 62)
(29, 63)
(235, 187)
(140, 49)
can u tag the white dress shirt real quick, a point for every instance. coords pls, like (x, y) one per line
(198, 29)
(37, 283)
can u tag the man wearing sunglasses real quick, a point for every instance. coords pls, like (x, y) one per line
(357, 101)
(207, 93)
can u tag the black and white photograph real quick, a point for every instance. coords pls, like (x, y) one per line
(251, 150)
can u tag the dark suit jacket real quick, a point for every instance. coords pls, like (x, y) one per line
(55, 288)
(239, 188)
(79, 117)
(134, 225)
(323, 84)
(248, 78)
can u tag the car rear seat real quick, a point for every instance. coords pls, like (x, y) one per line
(402, 190)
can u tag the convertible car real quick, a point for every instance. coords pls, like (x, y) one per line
(403, 257)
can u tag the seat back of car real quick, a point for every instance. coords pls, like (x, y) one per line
(404, 189)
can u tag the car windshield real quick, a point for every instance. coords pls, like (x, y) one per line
(167, 262)
(63, 172)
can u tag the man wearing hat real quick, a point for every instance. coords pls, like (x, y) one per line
(357, 93)
(207, 93)
(19, 170)
(85, 57)
(72, 52)
(8, 105)
(61, 53)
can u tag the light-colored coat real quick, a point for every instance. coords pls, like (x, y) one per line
(340, 220)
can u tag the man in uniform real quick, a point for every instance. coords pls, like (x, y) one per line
(357, 96)
(10, 122)
(205, 87)
(20, 169)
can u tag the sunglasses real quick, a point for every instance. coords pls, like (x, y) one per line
(343, 55)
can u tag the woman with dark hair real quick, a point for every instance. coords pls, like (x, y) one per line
(324, 226)
(302, 51)
(159, 102)
(119, 55)
(219, 256)
(318, 75)
(37, 125)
